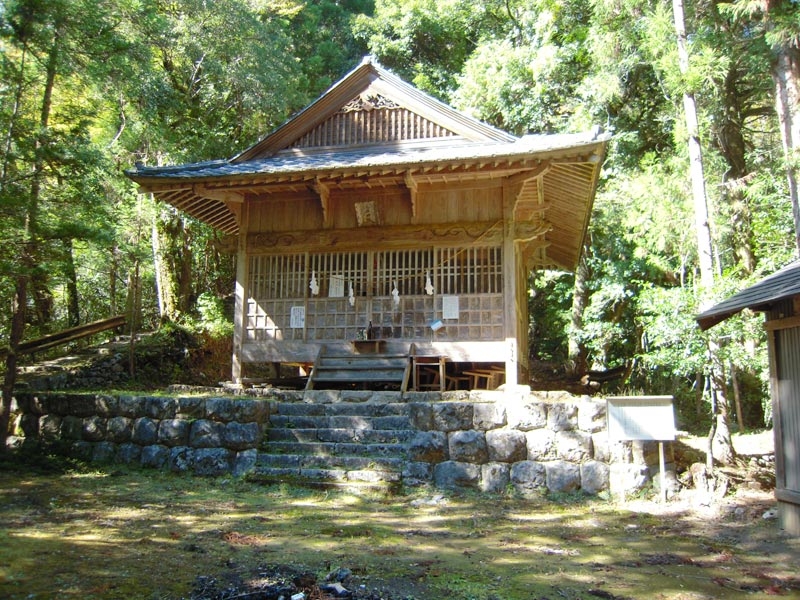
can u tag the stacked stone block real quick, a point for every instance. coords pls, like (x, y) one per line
(491, 441)
(207, 436)
(498, 441)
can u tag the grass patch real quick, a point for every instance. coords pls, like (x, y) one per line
(70, 530)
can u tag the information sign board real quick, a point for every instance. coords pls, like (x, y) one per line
(641, 418)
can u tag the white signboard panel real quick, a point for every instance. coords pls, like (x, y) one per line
(336, 287)
(297, 319)
(641, 418)
(449, 307)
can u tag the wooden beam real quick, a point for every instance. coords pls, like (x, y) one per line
(528, 178)
(154, 188)
(538, 171)
(218, 194)
(532, 252)
(447, 234)
(510, 285)
(227, 244)
(65, 336)
(240, 299)
(785, 323)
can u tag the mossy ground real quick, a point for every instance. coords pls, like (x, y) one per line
(68, 531)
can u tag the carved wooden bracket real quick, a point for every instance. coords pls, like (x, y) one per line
(411, 184)
(524, 181)
(324, 192)
(528, 231)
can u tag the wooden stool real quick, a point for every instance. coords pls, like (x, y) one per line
(453, 382)
(433, 368)
(490, 377)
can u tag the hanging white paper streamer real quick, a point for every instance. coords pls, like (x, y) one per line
(351, 296)
(428, 284)
(313, 285)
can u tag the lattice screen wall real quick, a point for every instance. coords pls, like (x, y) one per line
(389, 288)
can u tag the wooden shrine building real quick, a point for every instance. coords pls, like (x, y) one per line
(778, 297)
(380, 208)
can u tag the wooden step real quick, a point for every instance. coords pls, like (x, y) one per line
(367, 370)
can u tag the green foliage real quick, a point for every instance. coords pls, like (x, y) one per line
(89, 88)
(212, 316)
(549, 305)
(202, 90)
(323, 34)
(527, 81)
(427, 41)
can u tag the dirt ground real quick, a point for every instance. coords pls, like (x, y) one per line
(67, 531)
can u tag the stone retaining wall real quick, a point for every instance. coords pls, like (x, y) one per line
(497, 441)
(208, 436)
(489, 441)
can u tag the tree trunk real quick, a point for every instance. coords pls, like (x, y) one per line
(721, 443)
(17, 330)
(737, 397)
(577, 353)
(73, 304)
(12, 121)
(699, 389)
(732, 144)
(133, 299)
(112, 281)
(173, 266)
(133, 310)
(786, 77)
(42, 296)
(30, 273)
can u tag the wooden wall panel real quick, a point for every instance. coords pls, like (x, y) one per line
(454, 206)
(296, 214)
(394, 207)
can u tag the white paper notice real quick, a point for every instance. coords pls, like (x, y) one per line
(298, 317)
(450, 307)
(336, 287)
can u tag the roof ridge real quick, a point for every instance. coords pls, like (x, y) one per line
(369, 71)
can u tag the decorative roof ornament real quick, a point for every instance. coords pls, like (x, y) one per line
(368, 102)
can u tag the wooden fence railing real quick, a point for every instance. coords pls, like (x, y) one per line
(67, 335)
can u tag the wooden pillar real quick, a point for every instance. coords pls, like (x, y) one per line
(241, 294)
(510, 320)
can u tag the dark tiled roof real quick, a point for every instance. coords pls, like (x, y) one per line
(779, 286)
(291, 162)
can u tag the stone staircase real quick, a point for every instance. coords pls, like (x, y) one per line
(341, 444)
